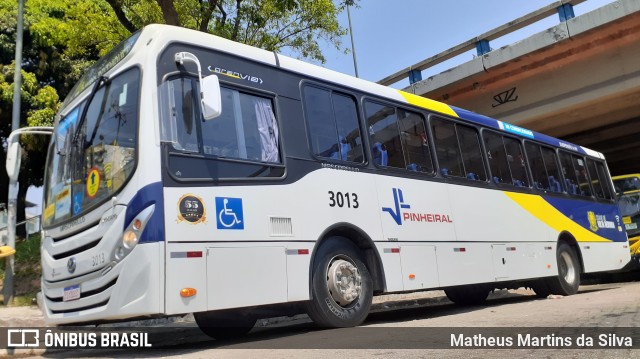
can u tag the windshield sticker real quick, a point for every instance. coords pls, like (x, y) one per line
(77, 202)
(63, 202)
(49, 211)
(93, 182)
(229, 213)
(191, 209)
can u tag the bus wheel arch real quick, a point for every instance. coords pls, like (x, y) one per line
(570, 267)
(340, 283)
(365, 244)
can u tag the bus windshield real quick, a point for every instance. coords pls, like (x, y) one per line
(91, 159)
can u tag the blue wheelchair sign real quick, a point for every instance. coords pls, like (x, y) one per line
(229, 214)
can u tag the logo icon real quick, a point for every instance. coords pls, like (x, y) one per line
(229, 214)
(399, 203)
(19, 338)
(191, 209)
(593, 223)
(71, 265)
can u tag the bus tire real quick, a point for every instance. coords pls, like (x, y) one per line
(341, 285)
(225, 324)
(567, 281)
(473, 294)
(540, 288)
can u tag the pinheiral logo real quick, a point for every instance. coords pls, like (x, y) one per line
(400, 212)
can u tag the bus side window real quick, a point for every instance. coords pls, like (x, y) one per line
(447, 149)
(333, 124)
(471, 153)
(553, 172)
(570, 178)
(540, 176)
(581, 173)
(517, 165)
(603, 174)
(417, 153)
(596, 182)
(385, 135)
(497, 156)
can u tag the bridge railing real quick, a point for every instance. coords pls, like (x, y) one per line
(564, 9)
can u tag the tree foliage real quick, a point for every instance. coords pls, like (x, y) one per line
(296, 25)
(64, 37)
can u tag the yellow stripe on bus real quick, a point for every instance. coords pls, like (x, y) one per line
(555, 219)
(428, 104)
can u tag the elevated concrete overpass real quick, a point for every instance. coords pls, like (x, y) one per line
(579, 80)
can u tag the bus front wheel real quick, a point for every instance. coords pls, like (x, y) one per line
(568, 279)
(342, 288)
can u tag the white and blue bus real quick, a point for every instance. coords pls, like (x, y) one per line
(192, 174)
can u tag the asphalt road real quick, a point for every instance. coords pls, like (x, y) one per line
(423, 324)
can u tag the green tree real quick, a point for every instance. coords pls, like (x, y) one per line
(61, 39)
(295, 25)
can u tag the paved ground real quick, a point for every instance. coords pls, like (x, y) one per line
(393, 327)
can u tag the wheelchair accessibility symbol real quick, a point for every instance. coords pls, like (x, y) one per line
(229, 213)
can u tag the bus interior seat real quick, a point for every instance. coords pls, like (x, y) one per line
(473, 176)
(412, 167)
(345, 148)
(518, 183)
(554, 185)
(496, 179)
(379, 155)
(444, 172)
(571, 187)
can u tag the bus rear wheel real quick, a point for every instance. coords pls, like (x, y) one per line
(473, 294)
(567, 281)
(341, 285)
(225, 324)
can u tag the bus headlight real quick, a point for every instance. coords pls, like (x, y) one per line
(129, 239)
(132, 233)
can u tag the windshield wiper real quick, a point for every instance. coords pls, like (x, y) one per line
(101, 80)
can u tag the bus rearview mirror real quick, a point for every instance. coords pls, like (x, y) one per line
(13, 160)
(211, 97)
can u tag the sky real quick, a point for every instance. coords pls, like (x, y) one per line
(390, 36)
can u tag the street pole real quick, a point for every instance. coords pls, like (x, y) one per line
(13, 182)
(353, 48)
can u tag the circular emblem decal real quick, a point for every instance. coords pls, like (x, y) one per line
(191, 209)
(93, 182)
(71, 265)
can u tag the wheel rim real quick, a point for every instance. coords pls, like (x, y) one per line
(567, 268)
(343, 281)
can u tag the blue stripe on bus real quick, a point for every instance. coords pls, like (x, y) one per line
(600, 218)
(146, 196)
(492, 123)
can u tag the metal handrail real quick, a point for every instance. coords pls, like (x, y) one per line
(500, 31)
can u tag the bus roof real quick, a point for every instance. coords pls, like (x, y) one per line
(167, 34)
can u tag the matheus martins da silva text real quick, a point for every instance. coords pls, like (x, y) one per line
(537, 341)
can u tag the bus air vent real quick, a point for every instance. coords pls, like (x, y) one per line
(281, 226)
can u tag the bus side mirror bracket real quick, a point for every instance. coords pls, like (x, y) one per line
(210, 95)
(13, 160)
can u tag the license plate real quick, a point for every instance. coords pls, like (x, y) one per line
(631, 226)
(71, 293)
